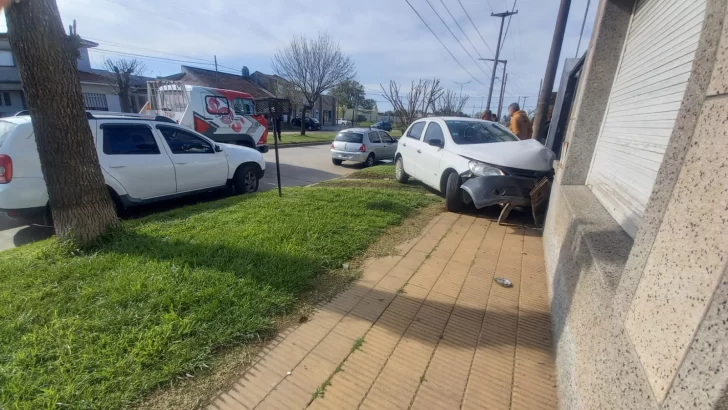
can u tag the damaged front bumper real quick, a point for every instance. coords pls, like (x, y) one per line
(499, 189)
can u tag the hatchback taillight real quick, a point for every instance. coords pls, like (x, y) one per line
(332, 145)
(363, 148)
(6, 169)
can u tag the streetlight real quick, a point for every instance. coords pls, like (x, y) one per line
(461, 88)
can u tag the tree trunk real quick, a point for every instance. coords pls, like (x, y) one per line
(46, 58)
(125, 101)
(303, 121)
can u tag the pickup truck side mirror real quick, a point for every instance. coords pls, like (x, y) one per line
(436, 143)
(218, 148)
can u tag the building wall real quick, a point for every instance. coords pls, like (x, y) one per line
(16, 102)
(112, 99)
(641, 323)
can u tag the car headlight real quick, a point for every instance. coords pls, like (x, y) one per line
(483, 170)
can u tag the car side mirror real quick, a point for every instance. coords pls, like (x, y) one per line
(435, 143)
(218, 148)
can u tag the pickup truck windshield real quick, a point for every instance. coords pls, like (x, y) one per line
(349, 137)
(472, 132)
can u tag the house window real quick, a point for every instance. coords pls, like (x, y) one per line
(6, 58)
(95, 102)
(6, 98)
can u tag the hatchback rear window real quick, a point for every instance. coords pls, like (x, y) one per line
(5, 129)
(349, 137)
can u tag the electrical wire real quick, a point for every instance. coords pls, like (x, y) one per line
(128, 46)
(476, 27)
(503, 43)
(461, 29)
(171, 60)
(443, 44)
(456, 39)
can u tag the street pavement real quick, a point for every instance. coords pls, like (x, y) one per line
(299, 166)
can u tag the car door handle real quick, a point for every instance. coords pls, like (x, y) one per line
(419, 151)
(118, 166)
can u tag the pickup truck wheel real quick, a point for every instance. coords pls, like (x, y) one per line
(370, 160)
(246, 179)
(399, 171)
(453, 194)
(336, 161)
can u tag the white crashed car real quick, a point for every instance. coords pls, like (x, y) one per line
(471, 160)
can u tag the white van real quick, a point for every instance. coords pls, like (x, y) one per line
(143, 160)
(222, 115)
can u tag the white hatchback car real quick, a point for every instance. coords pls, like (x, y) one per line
(143, 160)
(365, 145)
(471, 160)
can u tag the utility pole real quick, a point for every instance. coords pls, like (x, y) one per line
(497, 51)
(461, 87)
(505, 63)
(217, 82)
(544, 98)
(502, 93)
(524, 102)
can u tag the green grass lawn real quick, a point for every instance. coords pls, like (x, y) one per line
(100, 328)
(314, 136)
(381, 171)
(311, 136)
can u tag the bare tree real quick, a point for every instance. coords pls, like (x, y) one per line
(313, 66)
(284, 89)
(421, 97)
(122, 71)
(46, 57)
(451, 103)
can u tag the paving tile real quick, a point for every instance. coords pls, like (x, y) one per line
(312, 372)
(286, 396)
(334, 347)
(451, 340)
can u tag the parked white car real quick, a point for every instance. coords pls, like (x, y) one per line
(143, 160)
(363, 145)
(471, 160)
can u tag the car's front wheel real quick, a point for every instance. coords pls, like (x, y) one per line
(453, 193)
(399, 171)
(246, 179)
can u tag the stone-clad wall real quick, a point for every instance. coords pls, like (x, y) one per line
(643, 324)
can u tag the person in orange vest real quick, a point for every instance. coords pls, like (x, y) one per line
(520, 124)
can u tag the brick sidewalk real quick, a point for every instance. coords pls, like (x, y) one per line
(427, 330)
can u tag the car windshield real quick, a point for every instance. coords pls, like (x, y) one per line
(349, 137)
(476, 132)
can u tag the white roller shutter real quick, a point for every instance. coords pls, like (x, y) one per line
(653, 73)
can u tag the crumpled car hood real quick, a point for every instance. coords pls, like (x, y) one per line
(527, 154)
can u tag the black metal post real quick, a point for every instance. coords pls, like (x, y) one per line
(275, 141)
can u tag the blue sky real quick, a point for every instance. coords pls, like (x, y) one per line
(385, 38)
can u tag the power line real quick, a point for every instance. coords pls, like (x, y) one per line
(443, 44)
(509, 24)
(461, 29)
(122, 45)
(456, 39)
(149, 57)
(476, 27)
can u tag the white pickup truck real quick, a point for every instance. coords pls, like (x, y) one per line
(143, 159)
